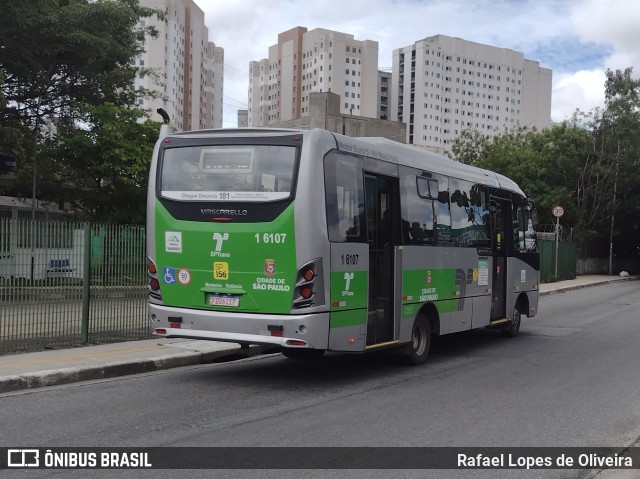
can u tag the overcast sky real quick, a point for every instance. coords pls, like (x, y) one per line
(577, 39)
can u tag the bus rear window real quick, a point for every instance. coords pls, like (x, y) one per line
(228, 173)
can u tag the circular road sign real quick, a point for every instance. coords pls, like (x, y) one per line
(558, 211)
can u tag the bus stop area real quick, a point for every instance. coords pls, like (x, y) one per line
(102, 361)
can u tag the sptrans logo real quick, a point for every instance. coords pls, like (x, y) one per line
(219, 239)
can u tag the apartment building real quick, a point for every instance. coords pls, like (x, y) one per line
(384, 90)
(442, 85)
(318, 60)
(186, 69)
(243, 118)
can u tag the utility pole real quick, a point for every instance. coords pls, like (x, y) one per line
(613, 212)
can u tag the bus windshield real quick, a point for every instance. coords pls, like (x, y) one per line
(228, 173)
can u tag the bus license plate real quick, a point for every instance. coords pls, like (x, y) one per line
(229, 301)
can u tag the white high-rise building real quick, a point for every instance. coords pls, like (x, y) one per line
(384, 91)
(319, 60)
(443, 85)
(187, 69)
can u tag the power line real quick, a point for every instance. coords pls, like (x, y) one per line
(235, 106)
(233, 99)
(226, 65)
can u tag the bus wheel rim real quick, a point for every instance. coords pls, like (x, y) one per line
(418, 339)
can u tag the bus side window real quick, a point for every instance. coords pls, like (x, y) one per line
(419, 220)
(469, 214)
(344, 198)
(524, 236)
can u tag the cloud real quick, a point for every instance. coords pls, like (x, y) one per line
(582, 90)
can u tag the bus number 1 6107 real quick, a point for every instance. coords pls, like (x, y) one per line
(349, 259)
(270, 238)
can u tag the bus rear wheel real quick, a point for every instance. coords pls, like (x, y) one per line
(420, 341)
(300, 353)
(512, 328)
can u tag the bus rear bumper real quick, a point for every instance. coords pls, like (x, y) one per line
(295, 331)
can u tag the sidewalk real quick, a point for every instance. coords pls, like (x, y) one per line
(55, 367)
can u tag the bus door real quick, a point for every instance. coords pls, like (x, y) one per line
(500, 216)
(382, 213)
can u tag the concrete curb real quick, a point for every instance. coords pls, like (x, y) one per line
(56, 377)
(563, 289)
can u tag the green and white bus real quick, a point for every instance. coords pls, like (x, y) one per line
(313, 241)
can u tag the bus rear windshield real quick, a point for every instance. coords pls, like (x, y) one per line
(228, 173)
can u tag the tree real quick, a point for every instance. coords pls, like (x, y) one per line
(59, 58)
(57, 54)
(102, 169)
(619, 133)
(588, 165)
(533, 159)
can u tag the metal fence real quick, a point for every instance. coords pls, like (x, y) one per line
(70, 283)
(566, 261)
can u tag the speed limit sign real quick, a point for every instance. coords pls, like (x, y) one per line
(558, 211)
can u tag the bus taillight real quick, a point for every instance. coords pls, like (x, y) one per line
(153, 282)
(308, 274)
(309, 290)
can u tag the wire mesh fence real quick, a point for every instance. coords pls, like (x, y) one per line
(69, 283)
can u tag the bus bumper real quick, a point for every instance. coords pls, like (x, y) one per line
(297, 331)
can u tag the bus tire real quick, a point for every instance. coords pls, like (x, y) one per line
(420, 343)
(300, 353)
(512, 328)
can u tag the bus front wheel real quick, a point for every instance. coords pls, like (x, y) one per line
(513, 327)
(300, 353)
(420, 341)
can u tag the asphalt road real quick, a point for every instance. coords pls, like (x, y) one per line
(569, 379)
